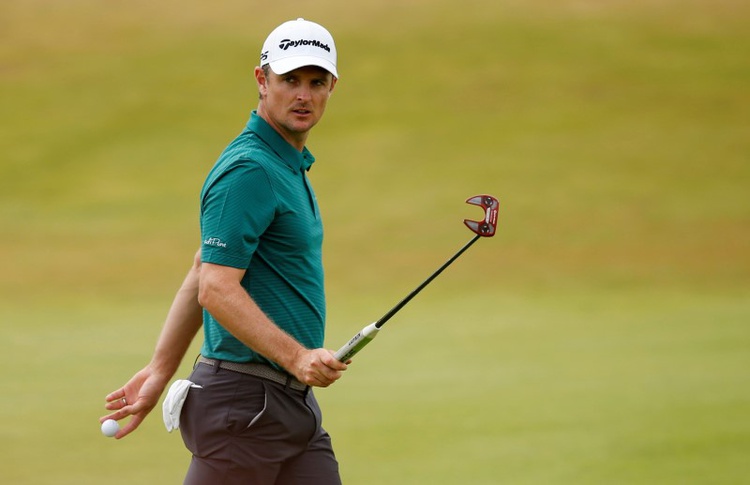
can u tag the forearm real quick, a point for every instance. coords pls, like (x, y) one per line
(241, 316)
(222, 294)
(183, 321)
(141, 393)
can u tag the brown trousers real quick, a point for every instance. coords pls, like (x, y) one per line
(243, 429)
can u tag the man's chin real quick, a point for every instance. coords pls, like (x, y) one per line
(298, 125)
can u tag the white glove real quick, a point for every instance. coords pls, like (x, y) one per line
(172, 406)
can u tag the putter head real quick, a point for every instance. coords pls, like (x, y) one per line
(488, 226)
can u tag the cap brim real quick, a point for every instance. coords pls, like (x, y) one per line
(283, 66)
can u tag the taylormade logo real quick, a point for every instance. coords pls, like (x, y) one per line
(286, 44)
(215, 241)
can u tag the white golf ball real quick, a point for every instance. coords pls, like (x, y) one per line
(110, 428)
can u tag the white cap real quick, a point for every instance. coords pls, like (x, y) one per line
(299, 43)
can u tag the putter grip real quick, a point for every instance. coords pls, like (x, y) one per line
(357, 343)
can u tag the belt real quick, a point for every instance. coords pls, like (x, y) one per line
(258, 370)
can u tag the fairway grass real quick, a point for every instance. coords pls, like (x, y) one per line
(567, 387)
(600, 337)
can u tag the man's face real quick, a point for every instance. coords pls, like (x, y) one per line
(294, 102)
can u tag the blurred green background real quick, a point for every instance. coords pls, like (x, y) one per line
(602, 336)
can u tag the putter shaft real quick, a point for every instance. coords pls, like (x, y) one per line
(367, 334)
(426, 282)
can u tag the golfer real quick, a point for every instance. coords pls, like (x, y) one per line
(256, 287)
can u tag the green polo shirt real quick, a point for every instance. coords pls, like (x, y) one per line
(259, 213)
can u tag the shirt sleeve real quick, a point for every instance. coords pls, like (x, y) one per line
(236, 210)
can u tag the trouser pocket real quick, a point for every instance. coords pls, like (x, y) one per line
(226, 405)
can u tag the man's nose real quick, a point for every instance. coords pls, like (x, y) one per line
(304, 93)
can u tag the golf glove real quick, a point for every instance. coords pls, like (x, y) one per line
(172, 406)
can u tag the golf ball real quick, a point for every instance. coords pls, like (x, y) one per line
(110, 427)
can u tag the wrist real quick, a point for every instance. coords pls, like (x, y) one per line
(160, 371)
(295, 358)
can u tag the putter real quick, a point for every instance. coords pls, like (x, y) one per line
(483, 228)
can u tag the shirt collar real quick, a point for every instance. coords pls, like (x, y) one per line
(294, 159)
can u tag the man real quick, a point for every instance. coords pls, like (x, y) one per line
(250, 416)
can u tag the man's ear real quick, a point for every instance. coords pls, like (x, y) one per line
(260, 78)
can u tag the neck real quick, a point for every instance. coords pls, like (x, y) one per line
(297, 140)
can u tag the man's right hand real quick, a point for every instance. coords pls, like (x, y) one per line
(317, 367)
